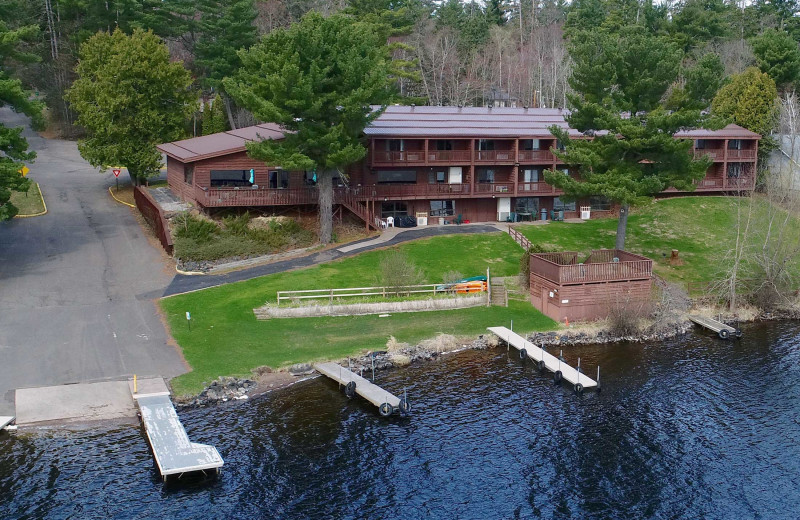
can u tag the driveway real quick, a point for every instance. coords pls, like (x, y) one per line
(76, 285)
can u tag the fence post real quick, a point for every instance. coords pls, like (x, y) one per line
(488, 288)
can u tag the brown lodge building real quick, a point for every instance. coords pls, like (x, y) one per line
(484, 164)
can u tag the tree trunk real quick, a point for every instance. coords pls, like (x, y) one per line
(134, 178)
(227, 104)
(622, 226)
(325, 187)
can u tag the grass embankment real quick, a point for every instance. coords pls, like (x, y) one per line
(226, 339)
(30, 203)
(702, 229)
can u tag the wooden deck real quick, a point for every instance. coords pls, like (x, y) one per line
(551, 362)
(363, 387)
(723, 331)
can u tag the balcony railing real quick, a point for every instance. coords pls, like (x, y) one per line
(411, 190)
(246, 196)
(536, 156)
(457, 156)
(746, 182)
(495, 156)
(534, 188)
(405, 157)
(495, 187)
(737, 155)
(562, 268)
(714, 154)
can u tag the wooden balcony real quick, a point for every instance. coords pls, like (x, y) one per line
(536, 157)
(716, 154)
(535, 188)
(412, 191)
(224, 197)
(564, 269)
(449, 156)
(495, 188)
(495, 156)
(741, 155)
(406, 158)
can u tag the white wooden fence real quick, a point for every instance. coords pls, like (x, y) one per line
(361, 292)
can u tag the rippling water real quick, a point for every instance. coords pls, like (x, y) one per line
(690, 428)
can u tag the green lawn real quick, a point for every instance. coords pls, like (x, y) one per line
(226, 339)
(30, 203)
(701, 228)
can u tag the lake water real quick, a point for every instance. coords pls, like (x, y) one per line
(690, 428)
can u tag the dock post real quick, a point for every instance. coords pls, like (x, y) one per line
(373, 366)
(512, 325)
(598, 378)
(579, 370)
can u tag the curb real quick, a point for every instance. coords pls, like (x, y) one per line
(120, 201)
(189, 273)
(41, 196)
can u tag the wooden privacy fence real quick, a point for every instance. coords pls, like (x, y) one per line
(360, 292)
(154, 216)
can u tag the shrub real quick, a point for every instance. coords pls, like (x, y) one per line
(397, 270)
(525, 265)
(237, 224)
(188, 226)
(452, 277)
(625, 315)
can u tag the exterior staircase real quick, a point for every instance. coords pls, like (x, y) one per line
(499, 293)
(358, 208)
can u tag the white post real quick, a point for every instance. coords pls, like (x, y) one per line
(488, 288)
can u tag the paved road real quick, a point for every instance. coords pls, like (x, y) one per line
(76, 284)
(186, 283)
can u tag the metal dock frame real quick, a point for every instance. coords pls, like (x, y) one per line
(354, 384)
(545, 360)
(723, 331)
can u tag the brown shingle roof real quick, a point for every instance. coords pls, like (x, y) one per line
(729, 131)
(223, 143)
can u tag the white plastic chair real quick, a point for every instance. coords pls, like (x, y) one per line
(390, 221)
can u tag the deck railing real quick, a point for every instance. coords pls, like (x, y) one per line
(495, 187)
(457, 156)
(494, 156)
(258, 196)
(413, 190)
(715, 154)
(404, 157)
(536, 156)
(735, 155)
(562, 268)
(534, 188)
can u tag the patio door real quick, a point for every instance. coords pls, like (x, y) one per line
(454, 176)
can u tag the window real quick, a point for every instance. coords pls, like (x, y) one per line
(560, 205)
(188, 173)
(230, 178)
(599, 203)
(278, 179)
(700, 144)
(394, 209)
(485, 144)
(527, 205)
(560, 145)
(397, 177)
(395, 145)
(485, 175)
(444, 144)
(531, 144)
(443, 208)
(734, 170)
(735, 144)
(310, 178)
(437, 177)
(531, 174)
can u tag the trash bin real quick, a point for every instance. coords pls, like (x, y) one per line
(561, 215)
(544, 214)
(441, 221)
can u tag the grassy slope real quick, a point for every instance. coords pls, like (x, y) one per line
(701, 228)
(226, 339)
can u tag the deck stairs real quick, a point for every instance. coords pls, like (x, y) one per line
(358, 208)
(499, 293)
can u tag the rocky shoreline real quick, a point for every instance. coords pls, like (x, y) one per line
(401, 354)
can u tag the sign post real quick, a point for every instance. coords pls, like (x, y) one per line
(189, 319)
(116, 177)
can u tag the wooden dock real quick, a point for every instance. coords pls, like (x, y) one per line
(354, 384)
(723, 331)
(5, 420)
(545, 360)
(174, 453)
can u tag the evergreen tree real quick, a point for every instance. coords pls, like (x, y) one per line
(214, 120)
(317, 80)
(698, 22)
(750, 100)
(129, 98)
(631, 155)
(703, 80)
(777, 55)
(13, 146)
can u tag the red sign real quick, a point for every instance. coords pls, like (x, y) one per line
(116, 172)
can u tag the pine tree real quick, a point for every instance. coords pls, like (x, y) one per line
(317, 80)
(129, 97)
(214, 120)
(777, 55)
(14, 147)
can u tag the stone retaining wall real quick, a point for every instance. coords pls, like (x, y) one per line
(359, 309)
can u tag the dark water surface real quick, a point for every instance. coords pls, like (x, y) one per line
(690, 428)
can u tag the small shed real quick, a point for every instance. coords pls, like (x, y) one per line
(562, 287)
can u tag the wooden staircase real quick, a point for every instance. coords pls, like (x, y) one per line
(499, 293)
(358, 208)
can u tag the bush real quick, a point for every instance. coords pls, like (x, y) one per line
(237, 224)
(197, 229)
(452, 277)
(525, 265)
(397, 270)
(625, 315)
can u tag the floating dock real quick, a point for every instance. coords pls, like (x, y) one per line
(543, 359)
(354, 384)
(5, 420)
(175, 454)
(723, 331)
